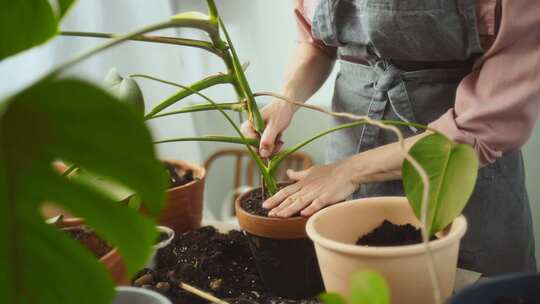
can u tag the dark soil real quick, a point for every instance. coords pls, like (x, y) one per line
(178, 176)
(252, 203)
(89, 239)
(218, 263)
(505, 300)
(388, 234)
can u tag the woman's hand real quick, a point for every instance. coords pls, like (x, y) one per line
(315, 188)
(277, 116)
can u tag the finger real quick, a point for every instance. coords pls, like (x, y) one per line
(279, 197)
(277, 147)
(300, 201)
(247, 129)
(315, 206)
(268, 139)
(284, 205)
(278, 144)
(297, 175)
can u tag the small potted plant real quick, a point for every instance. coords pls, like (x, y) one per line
(275, 230)
(518, 288)
(107, 255)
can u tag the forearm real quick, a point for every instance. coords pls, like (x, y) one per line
(380, 164)
(308, 70)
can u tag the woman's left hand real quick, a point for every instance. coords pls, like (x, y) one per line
(315, 188)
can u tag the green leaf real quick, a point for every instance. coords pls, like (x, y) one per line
(125, 89)
(332, 298)
(452, 170)
(28, 23)
(369, 287)
(81, 124)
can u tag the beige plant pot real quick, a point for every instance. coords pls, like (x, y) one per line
(335, 230)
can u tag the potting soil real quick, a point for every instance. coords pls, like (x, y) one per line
(176, 177)
(220, 264)
(389, 234)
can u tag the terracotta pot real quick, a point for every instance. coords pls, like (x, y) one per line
(113, 260)
(284, 255)
(184, 208)
(335, 230)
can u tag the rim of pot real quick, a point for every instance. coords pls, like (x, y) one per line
(199, 171)
(170, 234)
(288, 228)
(457, 230)
(144, 292)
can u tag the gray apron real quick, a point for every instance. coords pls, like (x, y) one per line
(432, 34)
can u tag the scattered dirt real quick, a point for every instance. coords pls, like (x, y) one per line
(89, 239)
(505, 300)
(178, 176)
(388, 234)
(214, 262)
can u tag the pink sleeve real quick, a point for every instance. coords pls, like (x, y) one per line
(497, 104)
(303, 11)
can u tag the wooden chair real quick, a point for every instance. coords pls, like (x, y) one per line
(245, 170)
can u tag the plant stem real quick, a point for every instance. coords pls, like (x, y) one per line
(258, 161)
(185, 92)
(155, 39)
(213, 138)
(254, 114)
(107, 45)
(232, 106)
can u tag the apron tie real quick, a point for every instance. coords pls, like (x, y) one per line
(390, 86)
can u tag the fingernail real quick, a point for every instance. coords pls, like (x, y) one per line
(264, 153)
(265, 205)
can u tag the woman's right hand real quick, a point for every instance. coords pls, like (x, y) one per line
(277, 115)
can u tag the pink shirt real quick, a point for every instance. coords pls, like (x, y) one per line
(498, 102)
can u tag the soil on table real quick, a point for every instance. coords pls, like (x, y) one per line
(389, 234)
(89, 239)
(252, 203)
(178, 176)
(220, 264)
(505, 300)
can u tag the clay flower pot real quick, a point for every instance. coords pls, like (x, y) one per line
(184, 208)
(133, 295)
(284, 255)
(512, 288)
(335, 230)
(113, 260)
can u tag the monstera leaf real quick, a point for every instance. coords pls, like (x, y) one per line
(78, 123)
(452, 169)
(28, 23)
(125, 89)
